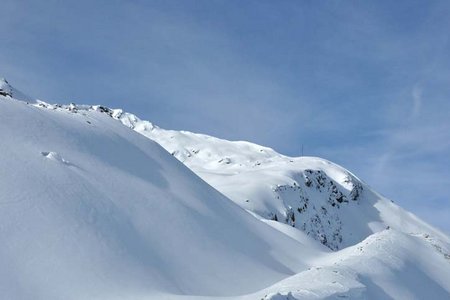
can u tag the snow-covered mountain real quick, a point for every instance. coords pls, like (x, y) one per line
(311, 194)
(90, 209)
(6, 90)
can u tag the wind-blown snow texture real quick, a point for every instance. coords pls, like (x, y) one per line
(90, 209)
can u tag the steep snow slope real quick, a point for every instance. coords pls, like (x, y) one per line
(90, 209)
(312, 194)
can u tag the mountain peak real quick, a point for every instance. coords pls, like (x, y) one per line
(5, 88)
(79, 192)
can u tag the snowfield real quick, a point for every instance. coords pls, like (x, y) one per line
(93, 209)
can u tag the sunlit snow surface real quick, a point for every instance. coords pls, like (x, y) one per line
(90, 209)
(312, 194)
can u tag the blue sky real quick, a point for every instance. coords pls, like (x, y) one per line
(365, 84)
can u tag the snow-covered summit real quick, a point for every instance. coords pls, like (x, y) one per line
(90, 209)
(6, 90)
(311, 194)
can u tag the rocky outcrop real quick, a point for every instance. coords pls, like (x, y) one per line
(320, 218)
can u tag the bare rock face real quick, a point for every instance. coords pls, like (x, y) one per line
(313, 205)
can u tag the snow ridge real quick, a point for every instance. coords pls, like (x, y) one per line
(90, 209)
(322, 199)
(310, 201)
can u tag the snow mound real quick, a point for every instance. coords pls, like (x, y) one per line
(54, 156)
(387, 265)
